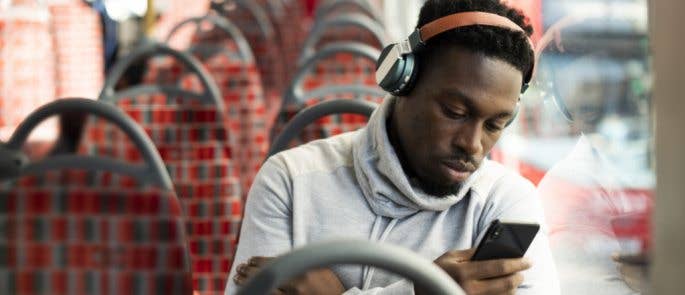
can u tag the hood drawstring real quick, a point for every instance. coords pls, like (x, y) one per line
(367, 271)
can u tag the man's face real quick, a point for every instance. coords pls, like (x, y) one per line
(584, 86)
(453, 117)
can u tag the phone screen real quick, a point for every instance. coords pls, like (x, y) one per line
(506, 240)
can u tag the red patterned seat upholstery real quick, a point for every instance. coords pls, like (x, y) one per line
(64, 232)
(253, 21)
(197, 151)
(77, 35)
(337, 66)
(232, 67)
(245, 112)
(341, 69)
(290, 35)
(104, 228)
(27, 67)
(189, 129)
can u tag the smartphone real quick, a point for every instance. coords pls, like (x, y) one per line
(505, 240)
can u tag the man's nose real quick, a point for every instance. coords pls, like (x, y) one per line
(469, 138)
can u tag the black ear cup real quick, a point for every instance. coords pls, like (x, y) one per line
(384, 55)
(409, 76)
(396, 73)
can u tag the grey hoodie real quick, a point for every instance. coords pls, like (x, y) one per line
(352, 186)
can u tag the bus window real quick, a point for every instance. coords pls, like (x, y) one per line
(584, 138)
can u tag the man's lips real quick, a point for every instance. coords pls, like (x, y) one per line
(457, 171)
(460, 166)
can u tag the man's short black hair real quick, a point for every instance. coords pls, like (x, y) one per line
(505, 44)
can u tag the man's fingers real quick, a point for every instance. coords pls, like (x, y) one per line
(640, 259)
(244, 272)
(251, 271)
(259, 260)
(504, 285)
(240, 269)
(496, 268)
(240, 280)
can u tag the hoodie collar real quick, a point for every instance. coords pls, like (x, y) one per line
(386, 187)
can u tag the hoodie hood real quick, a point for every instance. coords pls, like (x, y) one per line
(386, 187)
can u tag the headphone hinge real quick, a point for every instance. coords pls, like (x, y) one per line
(414, 41)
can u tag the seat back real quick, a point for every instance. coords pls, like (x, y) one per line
(88, 225)
(333, 8)
(315, 113)
(253, 21)
(224, 52)
(333, 71)
(337, 64)
(344, 28)
(174, 12)
(214, 31)
(384, 256)
(290, 35)
(325, 113)
(189, 131)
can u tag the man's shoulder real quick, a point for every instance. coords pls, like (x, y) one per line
(321, 155)
(495, 178)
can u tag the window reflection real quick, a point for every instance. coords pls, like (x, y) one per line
(585, 139)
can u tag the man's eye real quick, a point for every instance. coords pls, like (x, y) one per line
(452, 114)
(494, 127)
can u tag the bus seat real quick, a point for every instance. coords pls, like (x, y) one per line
(189, 129)
(74, 224)
(300, 126)
(350, 28)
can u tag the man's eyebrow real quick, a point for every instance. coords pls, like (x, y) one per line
(463, 97)
(468, 101)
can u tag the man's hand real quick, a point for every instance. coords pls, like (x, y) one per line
(500, 276)
(635, 270)
(320, 281)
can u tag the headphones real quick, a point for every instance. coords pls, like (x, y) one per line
(397, 68)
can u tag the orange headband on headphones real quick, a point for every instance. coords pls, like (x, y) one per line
(396, 69)
(472, 18)
(464, 19)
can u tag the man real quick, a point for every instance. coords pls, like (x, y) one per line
(416, 176)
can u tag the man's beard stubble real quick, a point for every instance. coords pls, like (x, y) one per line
(426, 184)
(435, 189)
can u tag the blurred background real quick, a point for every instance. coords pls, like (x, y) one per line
(584, 137)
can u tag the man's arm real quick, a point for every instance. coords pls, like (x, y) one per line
(266, 227)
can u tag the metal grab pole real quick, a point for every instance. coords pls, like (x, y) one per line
(149, 19)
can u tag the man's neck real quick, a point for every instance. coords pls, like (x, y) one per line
(394, 138)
